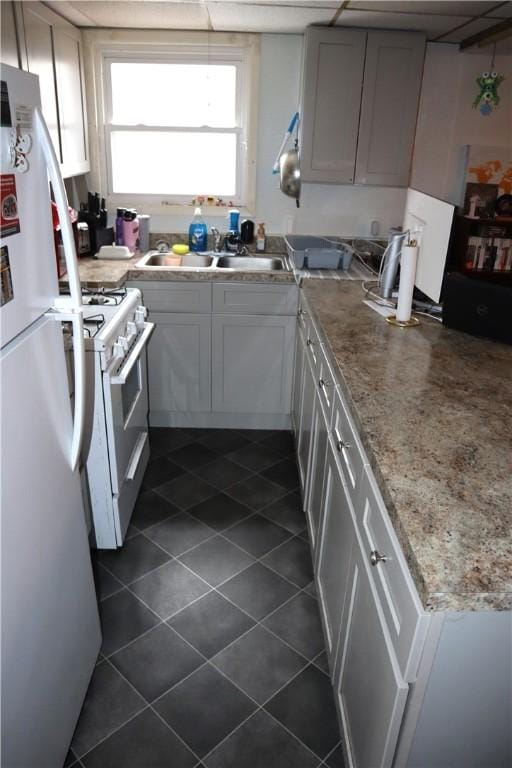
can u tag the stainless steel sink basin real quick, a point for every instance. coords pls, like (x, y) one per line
(212, 260)
(189, 260)
(250, 263)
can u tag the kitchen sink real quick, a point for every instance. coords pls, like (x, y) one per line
(249, 263)
(171, 260)
(213, 260)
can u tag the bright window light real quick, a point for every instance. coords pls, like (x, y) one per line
(174, 163)
(162, 93)
(175, 126)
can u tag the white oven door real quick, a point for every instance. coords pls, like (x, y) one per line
(126, 410)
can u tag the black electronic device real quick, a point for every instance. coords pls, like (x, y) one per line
(478, 307)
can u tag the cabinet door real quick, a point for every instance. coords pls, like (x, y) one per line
(306, 424)
(333, 75)
(9, 46)
(392, 81)
(179, 363)
(314, 499)
(252, 361)
(71, 99)
(369, 689)
(37, 21)
(336, 541)
(298, 378)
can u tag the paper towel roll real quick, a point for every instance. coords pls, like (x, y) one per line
(408, 261)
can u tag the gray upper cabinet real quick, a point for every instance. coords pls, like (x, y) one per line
(333, 75)
(392, 80)
(50, 47)
(39, 60)
(359, 105)
(71, 99)
(9, 44)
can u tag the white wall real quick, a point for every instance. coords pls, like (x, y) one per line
(447, 120)
(325, 208)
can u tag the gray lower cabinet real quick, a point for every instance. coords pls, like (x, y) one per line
(305, 426)
(252, 362)
(336, 543)
(179, 363)
(413, 689)
(220, 369)
(369, 690)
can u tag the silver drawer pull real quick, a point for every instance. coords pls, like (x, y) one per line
(310, 343)
(340, 442)
(301, 313)
(323, 384)
(376, 557)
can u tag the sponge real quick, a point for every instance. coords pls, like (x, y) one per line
(180, 249)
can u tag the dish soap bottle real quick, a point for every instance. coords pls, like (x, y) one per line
(260, 238)
(198, 232)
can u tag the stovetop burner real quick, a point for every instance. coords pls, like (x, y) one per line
(93, 324)
(102, 296)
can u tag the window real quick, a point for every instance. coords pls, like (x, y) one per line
(179, 120)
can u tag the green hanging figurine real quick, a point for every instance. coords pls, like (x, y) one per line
(488, 82)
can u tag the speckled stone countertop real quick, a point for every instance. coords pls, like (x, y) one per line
(103, 273)
(434, 410)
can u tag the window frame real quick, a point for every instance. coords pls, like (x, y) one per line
(242, 50)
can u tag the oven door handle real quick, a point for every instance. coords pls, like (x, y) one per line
(120, 378)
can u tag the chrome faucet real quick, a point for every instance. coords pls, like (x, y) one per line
(217, 239)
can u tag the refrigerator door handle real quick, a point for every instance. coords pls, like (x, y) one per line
(77, 320)
(61, 200)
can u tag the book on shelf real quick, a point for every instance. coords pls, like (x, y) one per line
(492, 254)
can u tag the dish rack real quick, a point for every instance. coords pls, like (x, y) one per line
(317, 252)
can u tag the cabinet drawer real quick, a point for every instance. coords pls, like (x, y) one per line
(312, 343)
(402, 610)
(255, 299)
(351, 455)
(176, 297)
(325, 384)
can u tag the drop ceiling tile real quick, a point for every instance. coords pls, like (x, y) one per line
(433, 26)
(440, 8)
(330, 4)
(146, 15)
(505, 12)
(473, 28)
(246, 17)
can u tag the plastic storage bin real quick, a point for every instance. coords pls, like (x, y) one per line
(316, 252)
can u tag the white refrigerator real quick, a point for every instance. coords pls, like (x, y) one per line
(50, 630)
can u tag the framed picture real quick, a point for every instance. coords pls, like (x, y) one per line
(480, 200)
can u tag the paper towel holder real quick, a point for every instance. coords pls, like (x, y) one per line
(411, 322)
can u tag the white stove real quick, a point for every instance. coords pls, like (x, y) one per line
(116, 335)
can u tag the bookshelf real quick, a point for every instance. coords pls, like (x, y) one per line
(482, 248)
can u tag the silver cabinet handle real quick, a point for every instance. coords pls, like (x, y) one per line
(340, 442)
(301, 313)
(310, 343)
(322, 384)
(376, 557)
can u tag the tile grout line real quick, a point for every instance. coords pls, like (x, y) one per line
(147, 706)
(309, 662)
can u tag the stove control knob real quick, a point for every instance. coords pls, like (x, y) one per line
(131, 329)
(140, 315)
(118, 349)
(124, 343)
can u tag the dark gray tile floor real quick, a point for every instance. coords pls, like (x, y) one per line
(213, 653)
